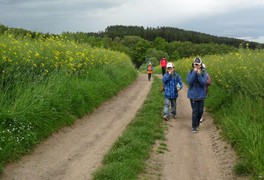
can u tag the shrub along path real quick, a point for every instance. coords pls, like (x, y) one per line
(76, 151)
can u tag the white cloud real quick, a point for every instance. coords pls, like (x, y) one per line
(259, 39)
(236, 18)
(162, 13)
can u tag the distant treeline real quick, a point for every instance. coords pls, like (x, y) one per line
(142, 51)
(151, 44)
(171, 34)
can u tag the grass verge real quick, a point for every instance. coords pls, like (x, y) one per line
(33, 111)
(241, 119)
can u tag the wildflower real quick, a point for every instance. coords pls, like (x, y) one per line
(37, 54)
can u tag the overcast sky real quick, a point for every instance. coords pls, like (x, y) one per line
(230, 18)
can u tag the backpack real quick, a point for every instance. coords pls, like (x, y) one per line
(208, 83)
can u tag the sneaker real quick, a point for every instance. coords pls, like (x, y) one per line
(194, 130)
(165, 118)
(201, 120)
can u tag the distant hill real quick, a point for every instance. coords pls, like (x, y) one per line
(173, 34)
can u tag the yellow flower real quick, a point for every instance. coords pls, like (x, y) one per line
(37, 54)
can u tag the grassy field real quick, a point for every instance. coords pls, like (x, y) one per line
(46, 84)
(236, 100)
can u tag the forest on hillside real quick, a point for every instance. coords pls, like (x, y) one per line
(171, 34)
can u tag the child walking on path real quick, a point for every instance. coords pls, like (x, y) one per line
(172, 84)
(163, 64)
(150, 68)
(196, 79)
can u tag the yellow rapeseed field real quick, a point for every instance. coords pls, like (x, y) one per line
(43, 55)
(240, 71)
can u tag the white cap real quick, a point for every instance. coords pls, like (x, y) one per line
(170, 65)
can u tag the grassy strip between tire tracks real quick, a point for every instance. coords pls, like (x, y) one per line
(126, 158)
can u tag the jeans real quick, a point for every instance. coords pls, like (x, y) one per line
(167, 103)
(197, 112)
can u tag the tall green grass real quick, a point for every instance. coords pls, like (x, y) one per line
(38, 99)
(236, 99)
(126, 159)
(242, 122)
(37, 110)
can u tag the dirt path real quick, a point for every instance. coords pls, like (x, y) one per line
(75, 152)
(200, 156)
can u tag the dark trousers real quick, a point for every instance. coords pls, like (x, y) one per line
(149, 76)
(197, 112)
(163, 69)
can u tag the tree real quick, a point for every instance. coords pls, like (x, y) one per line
(157, 54)
(153, 61)
(139, 52)
(176, 55)
(160, 44)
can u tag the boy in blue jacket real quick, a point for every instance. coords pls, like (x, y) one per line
(172, 84)
(196, 79)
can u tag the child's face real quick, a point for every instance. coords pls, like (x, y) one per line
(169, 69)
(198, 66)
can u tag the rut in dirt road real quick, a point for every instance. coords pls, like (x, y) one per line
(76, 151)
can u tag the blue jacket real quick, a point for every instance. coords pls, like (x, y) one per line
(197, 85)
(170, 85)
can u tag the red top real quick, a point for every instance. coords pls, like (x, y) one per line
(163, 62)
